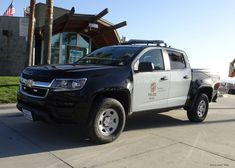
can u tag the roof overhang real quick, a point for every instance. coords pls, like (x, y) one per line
(102, 32)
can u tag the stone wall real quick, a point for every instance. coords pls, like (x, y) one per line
(13, 32)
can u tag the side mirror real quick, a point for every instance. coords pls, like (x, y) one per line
(146, 67)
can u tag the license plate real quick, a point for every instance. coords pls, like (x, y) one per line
(27, 114)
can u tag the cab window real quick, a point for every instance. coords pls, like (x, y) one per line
(154, 56)
(177, 60)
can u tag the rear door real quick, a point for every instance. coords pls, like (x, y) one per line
(181, 77)
(151, 88)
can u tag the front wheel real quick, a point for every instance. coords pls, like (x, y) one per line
(198, 111)
(107, 121)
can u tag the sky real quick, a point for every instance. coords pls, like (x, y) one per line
(204, 29)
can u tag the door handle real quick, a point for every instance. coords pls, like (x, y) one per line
(164, 78)
(186, 77)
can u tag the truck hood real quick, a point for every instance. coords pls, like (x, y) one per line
(50, 72)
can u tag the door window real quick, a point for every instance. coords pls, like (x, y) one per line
(154, 56)
(177, 60)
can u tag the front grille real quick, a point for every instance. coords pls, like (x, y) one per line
(34, 91)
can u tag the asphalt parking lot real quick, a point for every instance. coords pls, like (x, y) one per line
(149, 140)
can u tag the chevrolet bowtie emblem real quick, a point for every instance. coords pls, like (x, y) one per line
(29, 83)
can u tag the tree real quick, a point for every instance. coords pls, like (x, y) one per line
(48, 32)
(31, 27)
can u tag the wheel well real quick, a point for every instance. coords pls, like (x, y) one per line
(122, 96)
(208, 91)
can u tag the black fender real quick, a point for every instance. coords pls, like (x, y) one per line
(196, 88)
(122, 94)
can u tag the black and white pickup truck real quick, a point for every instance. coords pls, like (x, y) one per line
(104, 87)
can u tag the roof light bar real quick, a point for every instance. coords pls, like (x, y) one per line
(147, 42)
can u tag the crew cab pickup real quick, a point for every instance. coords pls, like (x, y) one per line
(113, 82)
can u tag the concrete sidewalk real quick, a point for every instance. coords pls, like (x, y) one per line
(7, 106)
(166, 140)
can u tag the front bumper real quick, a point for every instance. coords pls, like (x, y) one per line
(65, 107)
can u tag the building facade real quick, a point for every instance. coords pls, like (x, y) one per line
(74, 35)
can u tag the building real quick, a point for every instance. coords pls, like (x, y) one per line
(13, 33)
(74, 35)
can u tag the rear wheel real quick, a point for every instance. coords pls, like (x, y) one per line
(198, 111)
(107, 121)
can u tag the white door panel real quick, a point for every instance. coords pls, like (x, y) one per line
(179, 87)
(150, 90)
(178, 101)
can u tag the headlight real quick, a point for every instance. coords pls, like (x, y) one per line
(68, 84)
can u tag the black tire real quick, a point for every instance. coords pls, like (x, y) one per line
(107, 121)
(199, 109)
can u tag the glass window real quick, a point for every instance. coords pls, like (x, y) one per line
(84, 42)
(70, 39)
(154, 56)
(177, 60)
(76, 53)
(55, 49)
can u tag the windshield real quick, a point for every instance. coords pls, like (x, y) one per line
(113, 56)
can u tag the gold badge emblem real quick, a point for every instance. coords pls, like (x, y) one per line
(153, 89)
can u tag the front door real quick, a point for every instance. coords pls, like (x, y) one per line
(151, 88)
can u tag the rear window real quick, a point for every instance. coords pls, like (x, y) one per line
(176, 60)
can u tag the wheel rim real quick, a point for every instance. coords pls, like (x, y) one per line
(201, 110)
(108, 122)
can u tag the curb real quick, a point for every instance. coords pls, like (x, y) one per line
(7, 106)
